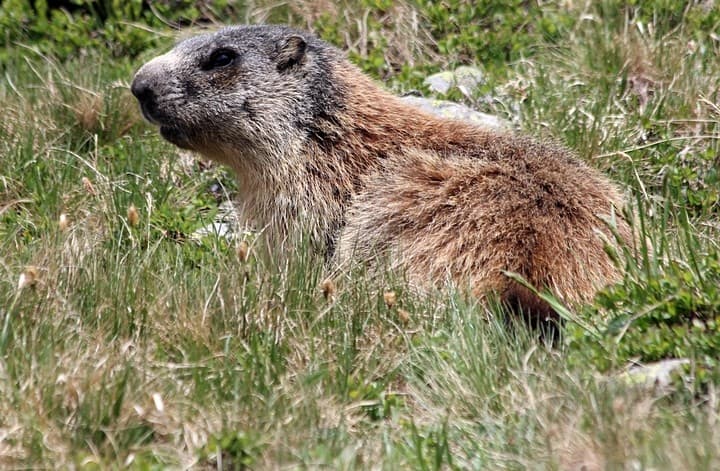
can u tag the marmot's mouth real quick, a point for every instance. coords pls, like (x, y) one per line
(147, 112)
(176, 136)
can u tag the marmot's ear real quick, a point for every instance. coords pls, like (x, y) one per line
(290, 52)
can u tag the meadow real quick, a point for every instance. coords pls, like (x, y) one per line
(127, 343)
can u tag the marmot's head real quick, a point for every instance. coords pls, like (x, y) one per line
(244, 90)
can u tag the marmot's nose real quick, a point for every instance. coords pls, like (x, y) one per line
(142, 90)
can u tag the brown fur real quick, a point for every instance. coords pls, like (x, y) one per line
(445, 200)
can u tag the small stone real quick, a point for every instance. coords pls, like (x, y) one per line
(657, 374)
(468, 79)
(440, 82)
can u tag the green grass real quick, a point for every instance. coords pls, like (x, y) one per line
(129, 345)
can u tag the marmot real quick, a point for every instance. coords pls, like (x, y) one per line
(319, 147)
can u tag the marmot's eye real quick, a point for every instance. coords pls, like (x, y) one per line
(220, 58)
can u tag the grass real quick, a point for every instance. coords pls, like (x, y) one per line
(127, 345)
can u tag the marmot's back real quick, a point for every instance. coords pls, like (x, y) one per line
(318, 146)
(467, 220)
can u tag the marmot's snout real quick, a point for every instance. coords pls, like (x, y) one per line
(159, 100)
(143, 91)
(151, 86)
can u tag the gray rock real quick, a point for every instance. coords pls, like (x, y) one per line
(226, 224)
(656, 374)
(451, 110)
(465, 78)
(441, 82)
